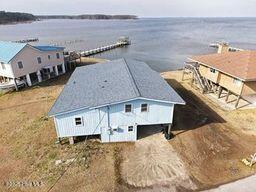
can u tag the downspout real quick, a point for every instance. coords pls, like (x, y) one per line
(108, 117)
(108, 124)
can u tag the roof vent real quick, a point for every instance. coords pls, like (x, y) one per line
(106, 81)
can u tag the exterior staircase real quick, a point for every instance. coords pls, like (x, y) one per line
(197, 78)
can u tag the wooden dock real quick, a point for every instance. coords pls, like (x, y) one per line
(74, 55)
(102, 49)
(231, 49)
(27, 40)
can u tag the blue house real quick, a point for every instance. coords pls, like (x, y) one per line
(113, 100)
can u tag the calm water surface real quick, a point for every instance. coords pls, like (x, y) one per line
(163, 43)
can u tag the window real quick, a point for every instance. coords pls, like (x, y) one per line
(20, 65)
(237, 82)
(49, 57)
(130, 128)
(78, 121)
(144, 107)
(128, 108)
(39, 60)
(212, 70)
(57, 55)
(3, 66)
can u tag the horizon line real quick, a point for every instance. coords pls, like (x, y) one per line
(142, 17)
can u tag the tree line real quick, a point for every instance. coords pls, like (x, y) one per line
(95, 16)
(15, 17)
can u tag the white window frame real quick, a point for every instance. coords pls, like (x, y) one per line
(237, 82)
(20, 67)
(141, 108)
(82, 121)
(132, 127)
(125, 107)
(212, 70)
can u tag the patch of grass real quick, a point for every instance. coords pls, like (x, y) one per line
(118, 161)
(52, 155)
(44, 118)
(90, 150)
(26, 142)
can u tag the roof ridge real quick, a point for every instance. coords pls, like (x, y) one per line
(132, 78)
(124, 80)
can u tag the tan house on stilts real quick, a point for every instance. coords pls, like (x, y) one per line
(232, 72)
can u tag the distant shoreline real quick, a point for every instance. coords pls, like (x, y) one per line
(7, 18)
(89, 17)
(15, 17)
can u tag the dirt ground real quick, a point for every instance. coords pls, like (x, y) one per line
(206, 151)
(28, 152)
(211, 141)
(152, 162)
(89, 60)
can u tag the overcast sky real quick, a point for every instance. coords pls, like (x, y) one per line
(142, 8)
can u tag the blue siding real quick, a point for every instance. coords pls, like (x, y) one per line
(97, 121)
(158, 113)
(66, 123)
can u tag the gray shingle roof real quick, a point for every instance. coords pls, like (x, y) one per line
(112, 82)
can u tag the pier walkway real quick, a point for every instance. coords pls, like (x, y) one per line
(74, 55)
(103, 49)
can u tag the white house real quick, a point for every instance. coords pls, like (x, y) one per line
(21, 62)
(113, 100)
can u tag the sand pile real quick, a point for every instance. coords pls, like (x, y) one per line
(154, 162)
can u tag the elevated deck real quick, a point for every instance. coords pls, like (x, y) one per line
(11, 84)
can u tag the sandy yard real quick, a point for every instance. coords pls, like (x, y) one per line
(89, 60)
(206, 151)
